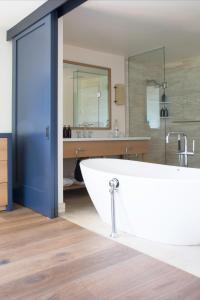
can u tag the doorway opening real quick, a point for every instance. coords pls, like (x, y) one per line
(88, 77)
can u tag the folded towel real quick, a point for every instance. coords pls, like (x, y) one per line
(67, 181)
(77, 172)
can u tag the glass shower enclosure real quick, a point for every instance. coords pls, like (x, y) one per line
(164, 96)
(146, 90)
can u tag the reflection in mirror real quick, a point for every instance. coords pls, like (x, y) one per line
(153, 104)
(86, 100)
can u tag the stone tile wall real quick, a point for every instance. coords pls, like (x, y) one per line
(183, 93)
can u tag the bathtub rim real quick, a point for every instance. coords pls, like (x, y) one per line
(141, 177)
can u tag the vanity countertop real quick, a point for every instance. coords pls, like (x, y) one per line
(133, 138)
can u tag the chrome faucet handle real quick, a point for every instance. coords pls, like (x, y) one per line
(179, 143)
(193, 148)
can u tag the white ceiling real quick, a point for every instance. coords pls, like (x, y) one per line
(134, 26)
(12, 11)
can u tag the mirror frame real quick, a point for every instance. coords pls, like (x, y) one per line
(109, 93)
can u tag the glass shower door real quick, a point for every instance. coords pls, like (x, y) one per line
(183, 96)
(147, 111)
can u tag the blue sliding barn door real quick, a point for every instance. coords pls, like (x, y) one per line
(35, 113)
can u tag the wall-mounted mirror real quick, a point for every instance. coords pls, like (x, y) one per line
(86, 96)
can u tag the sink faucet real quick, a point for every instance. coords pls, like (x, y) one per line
(182, 154)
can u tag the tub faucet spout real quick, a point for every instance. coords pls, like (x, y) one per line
(179, 134)
(182, 153)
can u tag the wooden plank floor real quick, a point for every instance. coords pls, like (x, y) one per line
(54, 259)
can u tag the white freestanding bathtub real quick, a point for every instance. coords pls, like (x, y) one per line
(156, 202)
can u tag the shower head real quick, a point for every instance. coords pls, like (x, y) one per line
(153, 82)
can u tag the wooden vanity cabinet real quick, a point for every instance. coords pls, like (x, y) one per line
(5, 172)
(100, 148)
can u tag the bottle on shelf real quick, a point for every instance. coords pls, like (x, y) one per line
(69, 132)
(162, 112)
(166, 112)
(64, 131)
(163, 98)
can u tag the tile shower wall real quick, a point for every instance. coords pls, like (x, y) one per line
(183, 92)
(148, 66)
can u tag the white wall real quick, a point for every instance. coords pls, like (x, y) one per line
(5, 83)
(68, 97)
(117, 65)
(61, 205)
(11, 12)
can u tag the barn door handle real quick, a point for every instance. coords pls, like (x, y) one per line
(47, 132)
